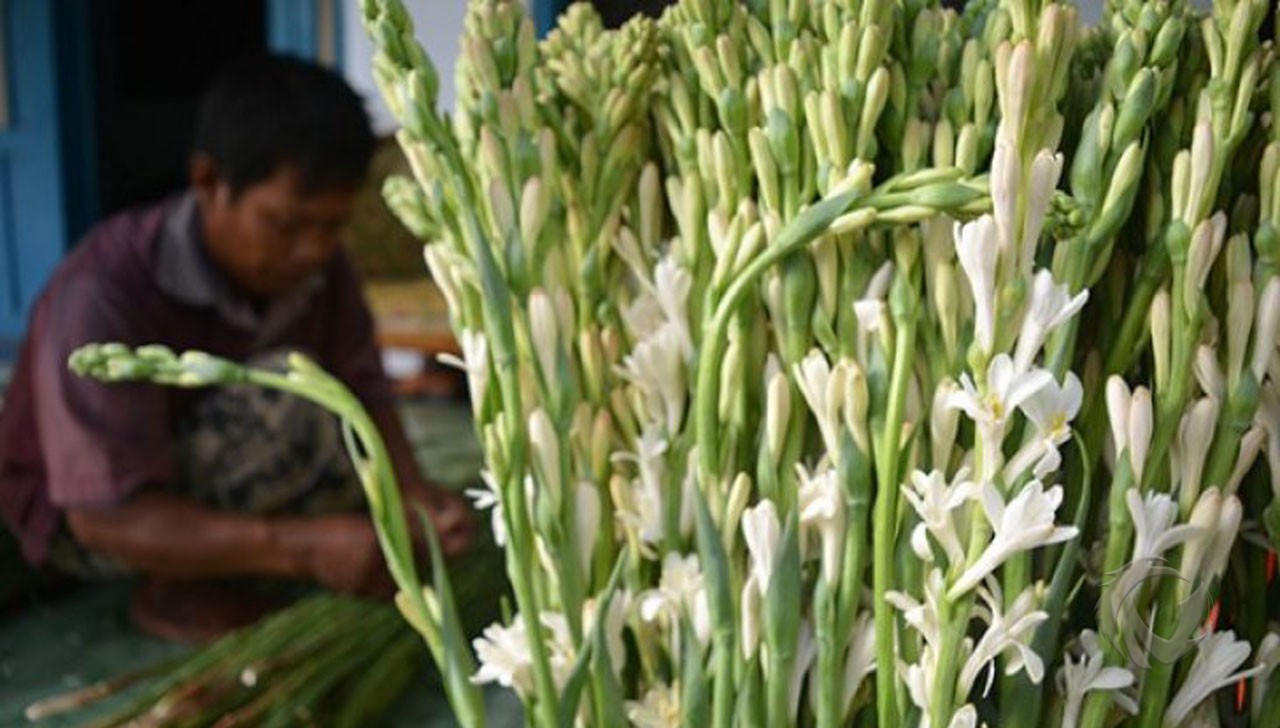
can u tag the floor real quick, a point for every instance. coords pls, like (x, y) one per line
(51, 644)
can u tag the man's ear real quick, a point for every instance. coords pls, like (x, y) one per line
(208, 183)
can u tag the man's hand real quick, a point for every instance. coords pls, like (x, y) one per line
(163, 535)
(340, 552)
(449, 513)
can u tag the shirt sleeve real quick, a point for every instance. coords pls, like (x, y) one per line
(351, 349)
(99, 442)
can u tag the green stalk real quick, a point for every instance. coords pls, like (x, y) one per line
(886, 518)
(956, 616)
(830, 650)
(802, 230)
(1157, 682)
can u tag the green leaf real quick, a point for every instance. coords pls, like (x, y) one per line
(464, 696)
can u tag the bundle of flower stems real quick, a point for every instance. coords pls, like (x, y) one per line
(851, 361)
(302, 666)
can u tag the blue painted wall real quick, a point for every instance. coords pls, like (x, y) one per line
(293, 27)
(32, 207)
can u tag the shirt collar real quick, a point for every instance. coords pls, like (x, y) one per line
(185, 272)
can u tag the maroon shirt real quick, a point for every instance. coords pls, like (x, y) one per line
(143, 277)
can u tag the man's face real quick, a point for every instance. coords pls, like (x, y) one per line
(272, 235)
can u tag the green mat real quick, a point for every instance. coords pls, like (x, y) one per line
(84, 636)
(50, 644)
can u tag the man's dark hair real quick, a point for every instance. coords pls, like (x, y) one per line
(270, 111)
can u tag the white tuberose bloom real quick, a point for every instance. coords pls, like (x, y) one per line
(490, 496)
(861, 658)
(543, 332)
(1153, 518)
(1131, 422)
(1010, 631)
(1268, 328)
(821, 504)
(671, 285)
(679, 589)
(1046, 168)
(978, 248)
(938, 504)
(762, 531)
(660, 708)
(922, 616)
(504, 657)
(474, 361)
(1051, 306)
(1006, 390)
(1051, 410)
(1217, 656)
(656, 368)
(1090, 674)
(1268, 658)
(823, 388)
(638, 504)
(1024, 523)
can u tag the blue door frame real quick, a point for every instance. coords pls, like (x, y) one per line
(295, 27)
(545, 13)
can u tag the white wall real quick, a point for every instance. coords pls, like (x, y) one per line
(436, 23)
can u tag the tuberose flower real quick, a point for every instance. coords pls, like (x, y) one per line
(762, 531)
(1010, 632)
(1051, 306)
(1006, 390)
(821, 504)
(1076, 679)
(1026, 522)
(977, 247)
(660, 708)
(1217, 657)
(937, 503)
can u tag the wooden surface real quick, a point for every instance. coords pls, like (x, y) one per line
(411, 315)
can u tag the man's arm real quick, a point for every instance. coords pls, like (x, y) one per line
(449, 512)
(169, 536)
(352, 355)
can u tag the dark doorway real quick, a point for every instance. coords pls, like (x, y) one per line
(151, 61)
(616, 12)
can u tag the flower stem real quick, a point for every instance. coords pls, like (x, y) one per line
(886, 518)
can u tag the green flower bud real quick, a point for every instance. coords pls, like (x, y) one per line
(1238, 37)
(709, 75)
(766, 169)
(727, 53)
(944, 144)
(783, 142)
(847, 51)
(871, 52)
(835, 130)
(726, 173)
(386, 76)
(905, 214)
(945, 196)
(1164, 50)
(877, 95)
(799, 294)
(405, 199)
(1086, 166)
(1135, 109)
(983, 93)
(1122, 189)
(967, 149)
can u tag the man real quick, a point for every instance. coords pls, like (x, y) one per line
(187, 487)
